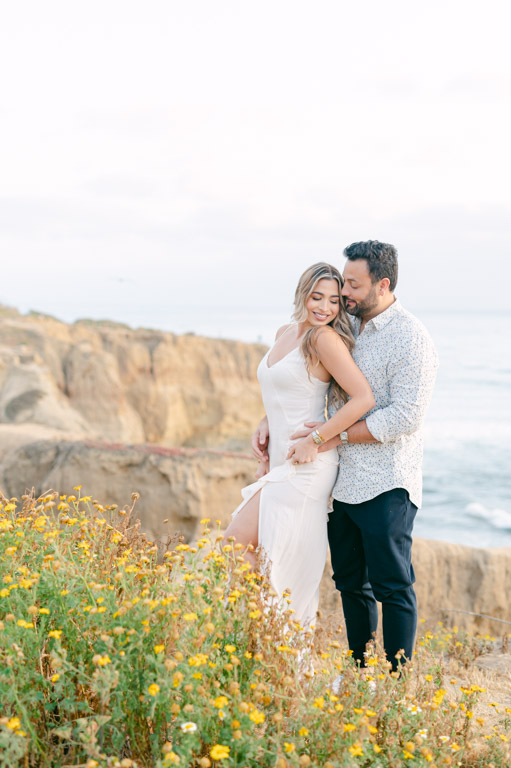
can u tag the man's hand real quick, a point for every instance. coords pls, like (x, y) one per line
(262, 469)
(260, 440)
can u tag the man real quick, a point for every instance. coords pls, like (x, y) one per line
(379, 485)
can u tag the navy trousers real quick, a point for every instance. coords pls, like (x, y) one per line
(371, 548)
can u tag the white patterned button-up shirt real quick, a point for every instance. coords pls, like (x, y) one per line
(397, 356)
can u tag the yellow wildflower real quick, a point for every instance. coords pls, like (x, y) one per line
(257, 717)
(219, 752)
(159, 648)
(288, 746)
(153, 689)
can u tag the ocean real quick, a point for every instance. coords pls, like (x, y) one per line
(467, 454)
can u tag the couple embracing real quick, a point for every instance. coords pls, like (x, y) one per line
(374, 371)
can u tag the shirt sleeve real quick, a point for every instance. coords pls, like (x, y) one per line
(411, 373)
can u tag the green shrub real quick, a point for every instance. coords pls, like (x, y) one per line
(115, 654)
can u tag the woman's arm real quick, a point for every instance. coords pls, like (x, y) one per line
(335, 357)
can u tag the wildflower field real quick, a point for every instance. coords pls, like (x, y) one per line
(113, 653)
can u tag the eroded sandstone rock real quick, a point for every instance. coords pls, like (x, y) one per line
(181, 485)
(113, 383)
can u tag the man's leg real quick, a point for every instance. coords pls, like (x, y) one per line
(386, 524)
(350, 577)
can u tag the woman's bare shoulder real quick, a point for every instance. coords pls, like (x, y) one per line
(327, 339)
(282, 329)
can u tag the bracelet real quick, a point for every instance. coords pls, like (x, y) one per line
(318, 439)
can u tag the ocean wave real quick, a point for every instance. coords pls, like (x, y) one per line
(496, 517)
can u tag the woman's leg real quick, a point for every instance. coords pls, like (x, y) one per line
(245, 527)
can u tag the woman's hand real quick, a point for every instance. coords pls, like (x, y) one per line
(260, 440)
(304, 451)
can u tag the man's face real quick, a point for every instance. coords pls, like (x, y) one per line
(360, 294)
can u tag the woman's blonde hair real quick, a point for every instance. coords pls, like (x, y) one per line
(341, 324)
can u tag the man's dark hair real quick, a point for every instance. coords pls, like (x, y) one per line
(381, 259)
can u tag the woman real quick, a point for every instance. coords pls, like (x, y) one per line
(285, 511)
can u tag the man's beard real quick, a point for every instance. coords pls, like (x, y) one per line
(362, 308)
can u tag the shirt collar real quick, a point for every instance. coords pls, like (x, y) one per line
(381, 320)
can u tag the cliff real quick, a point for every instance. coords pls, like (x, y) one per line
(106, 381)
(181, 485)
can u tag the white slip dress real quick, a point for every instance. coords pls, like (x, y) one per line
(294, 500)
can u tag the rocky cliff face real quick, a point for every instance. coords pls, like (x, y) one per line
(181, 485)
(112, 383)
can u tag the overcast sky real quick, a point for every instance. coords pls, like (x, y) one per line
(178, 164)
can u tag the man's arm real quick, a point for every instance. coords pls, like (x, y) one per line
(411, 373)
(411, 379)
(357, 433)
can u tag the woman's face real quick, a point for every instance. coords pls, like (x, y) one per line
(323, 303)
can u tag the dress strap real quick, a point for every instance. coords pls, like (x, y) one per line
(291, 325)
